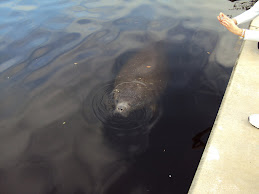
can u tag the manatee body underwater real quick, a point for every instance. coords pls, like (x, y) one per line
(141, 81)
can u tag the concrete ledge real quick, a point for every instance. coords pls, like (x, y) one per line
(230, 161)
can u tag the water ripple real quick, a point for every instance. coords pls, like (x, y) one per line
(103, 106)
(57, 122)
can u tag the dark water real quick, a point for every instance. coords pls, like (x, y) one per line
(57, 59)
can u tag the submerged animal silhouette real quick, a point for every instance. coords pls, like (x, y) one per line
(141, 81)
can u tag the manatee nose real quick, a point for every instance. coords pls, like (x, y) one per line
(121, 108)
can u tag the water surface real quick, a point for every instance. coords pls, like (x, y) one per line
(56, 59)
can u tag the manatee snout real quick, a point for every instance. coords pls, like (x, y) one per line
(122, 108)
(123, 96)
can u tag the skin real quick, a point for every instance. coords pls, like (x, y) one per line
(140, 82)
(230, 24)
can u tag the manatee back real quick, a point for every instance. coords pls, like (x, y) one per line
(146, 68)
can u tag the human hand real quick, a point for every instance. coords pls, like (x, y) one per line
(221, 16)
(230, 24)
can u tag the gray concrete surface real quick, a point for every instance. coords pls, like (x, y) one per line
(230, 161)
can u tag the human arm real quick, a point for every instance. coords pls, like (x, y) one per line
(251, 35)
(230, 24)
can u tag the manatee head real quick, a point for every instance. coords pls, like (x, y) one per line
(128, 97)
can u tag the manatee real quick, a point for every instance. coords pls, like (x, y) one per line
(141, 81)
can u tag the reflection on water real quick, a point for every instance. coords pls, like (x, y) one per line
(56, 58)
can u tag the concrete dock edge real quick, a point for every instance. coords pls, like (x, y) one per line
(230, 161)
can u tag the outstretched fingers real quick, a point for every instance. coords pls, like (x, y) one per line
(225, 23)
(221, 16)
